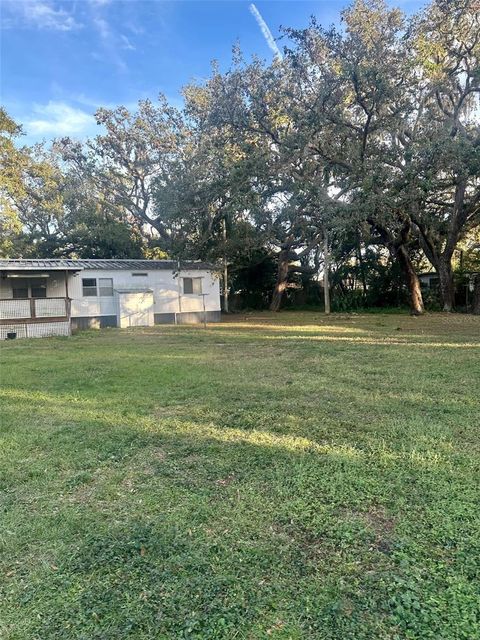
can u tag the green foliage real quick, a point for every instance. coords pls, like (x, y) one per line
(11, 185)
(368, 131)
(97, 236)
(252, 278)
(137, 152)
(376, 281)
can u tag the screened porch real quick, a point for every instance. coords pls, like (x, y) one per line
(34, 296)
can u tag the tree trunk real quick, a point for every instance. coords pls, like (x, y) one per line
(398, 251)
(476, 296)
(225, 287)
(411, 280)
(225, 268)
(441, 260)
(282, 278)
(326, 275)
(361, 263)
(447, 290)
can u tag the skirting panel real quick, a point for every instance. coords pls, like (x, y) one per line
(164, 318)
(187, 317)
(35, 329)
(94, 322)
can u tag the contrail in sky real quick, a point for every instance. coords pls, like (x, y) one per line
(267, 34)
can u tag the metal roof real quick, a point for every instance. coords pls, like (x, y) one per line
(64, 264)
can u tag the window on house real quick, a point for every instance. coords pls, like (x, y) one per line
(20, 287)
(29, 288)
(105, 286)
(38, 288)
(89, 287)
(139, 274)
(192, 286)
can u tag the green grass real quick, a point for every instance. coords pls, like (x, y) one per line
(283, 476)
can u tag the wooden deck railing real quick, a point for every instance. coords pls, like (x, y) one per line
(33, 309)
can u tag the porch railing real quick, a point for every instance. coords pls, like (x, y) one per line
(33, 309)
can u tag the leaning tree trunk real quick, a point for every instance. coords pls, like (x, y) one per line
(447, 289)
(282, 278)
(411, 280)
(476, 296)
(398, 250)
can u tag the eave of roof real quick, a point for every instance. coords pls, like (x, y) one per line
(18, 267)
(64, 264)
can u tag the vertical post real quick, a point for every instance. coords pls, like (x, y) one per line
(67, 297)
(204, 312)
(32, 308)
(326, 267)
(179, 284)
(225, 268)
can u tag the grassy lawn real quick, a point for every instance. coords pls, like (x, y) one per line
(277, 477)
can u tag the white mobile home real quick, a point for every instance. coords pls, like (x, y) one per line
(52, 297)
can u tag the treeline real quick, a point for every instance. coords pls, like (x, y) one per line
(367, 134)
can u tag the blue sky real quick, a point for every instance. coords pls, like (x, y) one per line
(60, 60)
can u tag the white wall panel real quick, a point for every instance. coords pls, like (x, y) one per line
(163, 283)
(166, 286)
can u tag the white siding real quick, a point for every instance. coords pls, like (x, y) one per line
(56, 285)
(164, 284)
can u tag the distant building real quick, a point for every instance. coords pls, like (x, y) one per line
(51, 297)
(429, 279)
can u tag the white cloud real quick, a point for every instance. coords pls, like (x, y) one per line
(267, 34)
(126, 44)
(102, 28)
(134, 28)
(59, 119)
(39, 14)
(110, 42)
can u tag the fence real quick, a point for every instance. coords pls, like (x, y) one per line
(26, 309)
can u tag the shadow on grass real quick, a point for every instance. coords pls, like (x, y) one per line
(187, 529)
(82, 428)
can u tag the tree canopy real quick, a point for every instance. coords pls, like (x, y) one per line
(367, 133)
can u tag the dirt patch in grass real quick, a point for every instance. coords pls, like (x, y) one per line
(383, 527)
